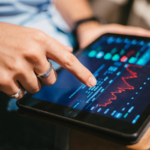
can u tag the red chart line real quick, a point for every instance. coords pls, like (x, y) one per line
(121, 89)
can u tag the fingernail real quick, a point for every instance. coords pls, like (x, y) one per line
(92, 81)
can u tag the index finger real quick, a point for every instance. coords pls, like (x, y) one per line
(58, 53)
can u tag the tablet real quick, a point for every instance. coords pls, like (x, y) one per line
(120, 102)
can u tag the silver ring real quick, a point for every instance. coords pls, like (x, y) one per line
(47, 73)
(17, 94)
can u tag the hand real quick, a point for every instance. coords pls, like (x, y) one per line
(89, 31)
(23, 55)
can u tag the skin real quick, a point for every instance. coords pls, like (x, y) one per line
(90, 31)
(24, 51)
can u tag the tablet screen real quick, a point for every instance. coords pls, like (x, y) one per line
(122, 68)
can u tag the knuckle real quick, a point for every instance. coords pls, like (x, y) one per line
(39, 36)
(69, 60)
(33, 56)
(13, 67)
(18, 68)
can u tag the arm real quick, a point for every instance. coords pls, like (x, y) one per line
(74, 10)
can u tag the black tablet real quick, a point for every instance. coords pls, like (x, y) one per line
(118, 104)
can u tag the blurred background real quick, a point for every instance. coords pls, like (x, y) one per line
(126, 12)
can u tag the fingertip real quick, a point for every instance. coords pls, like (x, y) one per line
(92, 81)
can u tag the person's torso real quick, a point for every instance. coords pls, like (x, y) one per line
(16, 11)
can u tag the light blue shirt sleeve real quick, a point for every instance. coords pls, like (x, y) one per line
(38, 14)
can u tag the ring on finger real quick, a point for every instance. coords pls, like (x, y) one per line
(17, 94)
(47, 73)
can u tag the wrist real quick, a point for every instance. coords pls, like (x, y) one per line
(87, 30)
(85, 27)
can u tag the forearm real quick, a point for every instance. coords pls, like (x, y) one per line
(73, 10)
